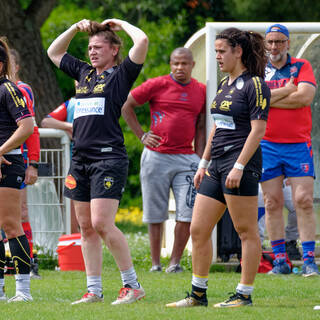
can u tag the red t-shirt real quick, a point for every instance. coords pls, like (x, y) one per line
(289, 125)
(32, 144)
(174, 110)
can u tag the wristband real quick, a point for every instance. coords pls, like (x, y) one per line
(144, 136)
(34, 164)
(203, 164)
(238, 166)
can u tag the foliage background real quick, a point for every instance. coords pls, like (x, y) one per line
(168, 24)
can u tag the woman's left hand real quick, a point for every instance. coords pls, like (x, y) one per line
(234, 178)
(3, 160)
(114, 24)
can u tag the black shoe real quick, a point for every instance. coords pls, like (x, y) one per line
(292, 250)
(34, 271)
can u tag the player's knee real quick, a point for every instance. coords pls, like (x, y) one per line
(304, 201)
(273, 202)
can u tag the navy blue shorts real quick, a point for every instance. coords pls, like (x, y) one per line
(12, 175)
(89, 179)
(213, 184)
(287, 159)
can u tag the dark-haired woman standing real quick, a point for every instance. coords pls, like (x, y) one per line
(16, 125)
(99, 164)
(239, 111)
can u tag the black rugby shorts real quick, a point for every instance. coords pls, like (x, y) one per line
(213, 184)
(12, 175)
(88, 180)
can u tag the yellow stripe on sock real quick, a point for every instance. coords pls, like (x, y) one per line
(202, 277)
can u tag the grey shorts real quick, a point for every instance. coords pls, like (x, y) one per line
(159, 172)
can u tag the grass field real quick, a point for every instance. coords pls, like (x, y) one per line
(275, 297)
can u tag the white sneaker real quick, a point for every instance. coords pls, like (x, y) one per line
(188, 302)
(174, 268)
(129, 295)
(3, 296)
(316, 308)
(20, 297)
(89, 298)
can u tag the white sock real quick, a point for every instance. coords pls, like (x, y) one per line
(1, 286)
(94, 285)
(129, 277)
(200, 282)
(23, 284)
(244, 289)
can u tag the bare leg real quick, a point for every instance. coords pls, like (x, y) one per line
(302, 195)
(206, 214)
(181, 237)
(90, 240)
(103, 212)
(244, 214)
(155, 238)
(273, 198)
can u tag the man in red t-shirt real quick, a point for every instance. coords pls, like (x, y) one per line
(286, 148)
(177, 110)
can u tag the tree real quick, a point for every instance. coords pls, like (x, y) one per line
(21, 26)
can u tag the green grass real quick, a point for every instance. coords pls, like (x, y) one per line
(275, 297)
(284, 297)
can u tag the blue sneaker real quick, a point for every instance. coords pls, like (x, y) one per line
(280, 267)
(310, 269)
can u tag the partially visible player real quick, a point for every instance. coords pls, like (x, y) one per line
(16, 125)
(62, 118)
(31, 154)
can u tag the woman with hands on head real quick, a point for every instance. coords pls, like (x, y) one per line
(99, 163)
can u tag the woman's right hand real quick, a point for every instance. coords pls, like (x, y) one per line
(83, 25)
(198, 177)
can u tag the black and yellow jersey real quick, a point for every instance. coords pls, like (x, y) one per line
(12, 109)
(233, 109)
(99, 99)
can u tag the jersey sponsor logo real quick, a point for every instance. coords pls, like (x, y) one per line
(89, 107)
(84, 89)
(305, 167)
(70, 182)
(239, 83)
(108, 182)
(225, 105)
(107, 149)
(223, 121)
(99, 88)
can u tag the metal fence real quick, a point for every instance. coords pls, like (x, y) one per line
(49, 210)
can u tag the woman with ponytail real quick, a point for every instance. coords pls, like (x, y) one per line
(231, 165)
